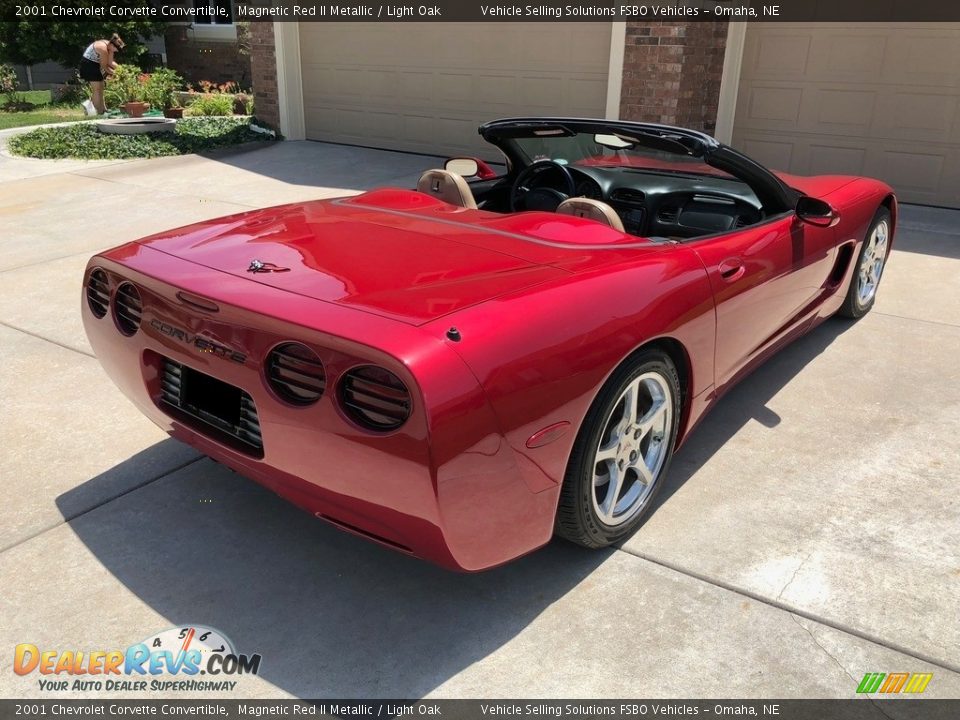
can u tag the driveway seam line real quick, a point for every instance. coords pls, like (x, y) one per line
(786, 607)
(924, 229)
(917, 320)
(104, 502)
(45, 339)
(169, 193)
(839, 664)
(43, 262)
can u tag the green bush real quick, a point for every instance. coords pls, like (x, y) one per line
(85, 142)
(160, 88)
(72, 92)
(8, 79)
(208, 105)
(14, 101)
(124, 86)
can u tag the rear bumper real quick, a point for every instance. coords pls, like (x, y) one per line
(444, 486)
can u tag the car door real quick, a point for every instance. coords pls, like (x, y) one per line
(763, 277)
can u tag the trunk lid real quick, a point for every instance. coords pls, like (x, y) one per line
(414, 270)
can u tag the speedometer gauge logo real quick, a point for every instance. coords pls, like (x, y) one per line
(192, 650)
(198, 638)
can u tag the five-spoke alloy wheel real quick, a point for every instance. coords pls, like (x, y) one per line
(622, 452)
(866, 275)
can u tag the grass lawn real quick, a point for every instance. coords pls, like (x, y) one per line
(42, 113)
(34, 97)
(43, 116)
(85, 142)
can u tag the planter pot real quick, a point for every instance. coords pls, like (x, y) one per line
(175, 113)
(135, 109)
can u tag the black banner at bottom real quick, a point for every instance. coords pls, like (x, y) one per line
(856, 709)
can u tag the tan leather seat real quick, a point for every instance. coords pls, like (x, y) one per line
(447, 186)
(592, 210)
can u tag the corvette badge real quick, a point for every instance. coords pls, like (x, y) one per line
(258, 266)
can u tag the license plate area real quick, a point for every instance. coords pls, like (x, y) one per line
(204, 403)
(211, 400)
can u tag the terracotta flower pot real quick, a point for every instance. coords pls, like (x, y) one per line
(173, 112)
(135, 109)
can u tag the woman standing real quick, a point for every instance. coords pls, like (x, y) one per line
(98, 64)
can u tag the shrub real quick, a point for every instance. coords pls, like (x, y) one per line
(8, 79)
(85, 142)
(211, 105)
(72, 92)
(124, 86)
(160, 88)
(8, 87)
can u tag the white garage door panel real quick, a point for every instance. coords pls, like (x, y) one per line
(880, 100)
(426, 87)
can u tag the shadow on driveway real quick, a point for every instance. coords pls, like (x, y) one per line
(748, 401)
(334, 615)
(928, 231)
(331, 614)
(329, 165)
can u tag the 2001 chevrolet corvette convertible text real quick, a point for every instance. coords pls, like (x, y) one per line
(462, 370)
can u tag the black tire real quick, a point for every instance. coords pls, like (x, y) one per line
(578, 517)
(854, 305)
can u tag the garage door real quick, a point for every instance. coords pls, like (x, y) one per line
(426, 87)
(877, 100)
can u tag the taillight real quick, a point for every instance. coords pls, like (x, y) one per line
(374, 398)
(98, 293)
(127, 308)
(296, 373)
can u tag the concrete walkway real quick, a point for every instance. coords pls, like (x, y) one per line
(810, 531)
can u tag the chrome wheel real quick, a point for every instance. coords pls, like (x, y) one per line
(871, 263)
(633, 449)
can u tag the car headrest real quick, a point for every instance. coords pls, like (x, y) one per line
(447, 186)
(592, 210)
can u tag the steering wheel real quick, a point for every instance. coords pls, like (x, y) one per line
(524, 197)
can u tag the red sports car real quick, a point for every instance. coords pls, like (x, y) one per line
(462, 370)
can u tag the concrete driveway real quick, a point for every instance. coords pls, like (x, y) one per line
(810, 531)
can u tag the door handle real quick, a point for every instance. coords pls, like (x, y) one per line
(731, 269)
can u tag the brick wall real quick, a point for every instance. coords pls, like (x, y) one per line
(672, 71)
(263, 65)
(197, 60)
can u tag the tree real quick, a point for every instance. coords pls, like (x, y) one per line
(28, 41)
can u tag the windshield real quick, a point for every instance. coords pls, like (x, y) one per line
(590, 149)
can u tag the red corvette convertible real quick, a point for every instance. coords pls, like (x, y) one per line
(463, 370)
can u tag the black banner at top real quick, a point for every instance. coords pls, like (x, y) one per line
(841, 11)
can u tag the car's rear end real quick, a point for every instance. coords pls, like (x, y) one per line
(306, 347)
(351, 408)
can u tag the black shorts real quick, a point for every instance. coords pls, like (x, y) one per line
(90, 71)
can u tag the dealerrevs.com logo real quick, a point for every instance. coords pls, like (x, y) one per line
(192, 658)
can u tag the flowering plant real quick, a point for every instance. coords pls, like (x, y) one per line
(160, 88)
(127, 84)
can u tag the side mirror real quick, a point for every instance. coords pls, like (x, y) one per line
(469, 167)
(816, 212)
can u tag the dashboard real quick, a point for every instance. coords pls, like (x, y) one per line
(654, 203)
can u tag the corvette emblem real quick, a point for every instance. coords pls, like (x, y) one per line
(258, 266)
(202, 344)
